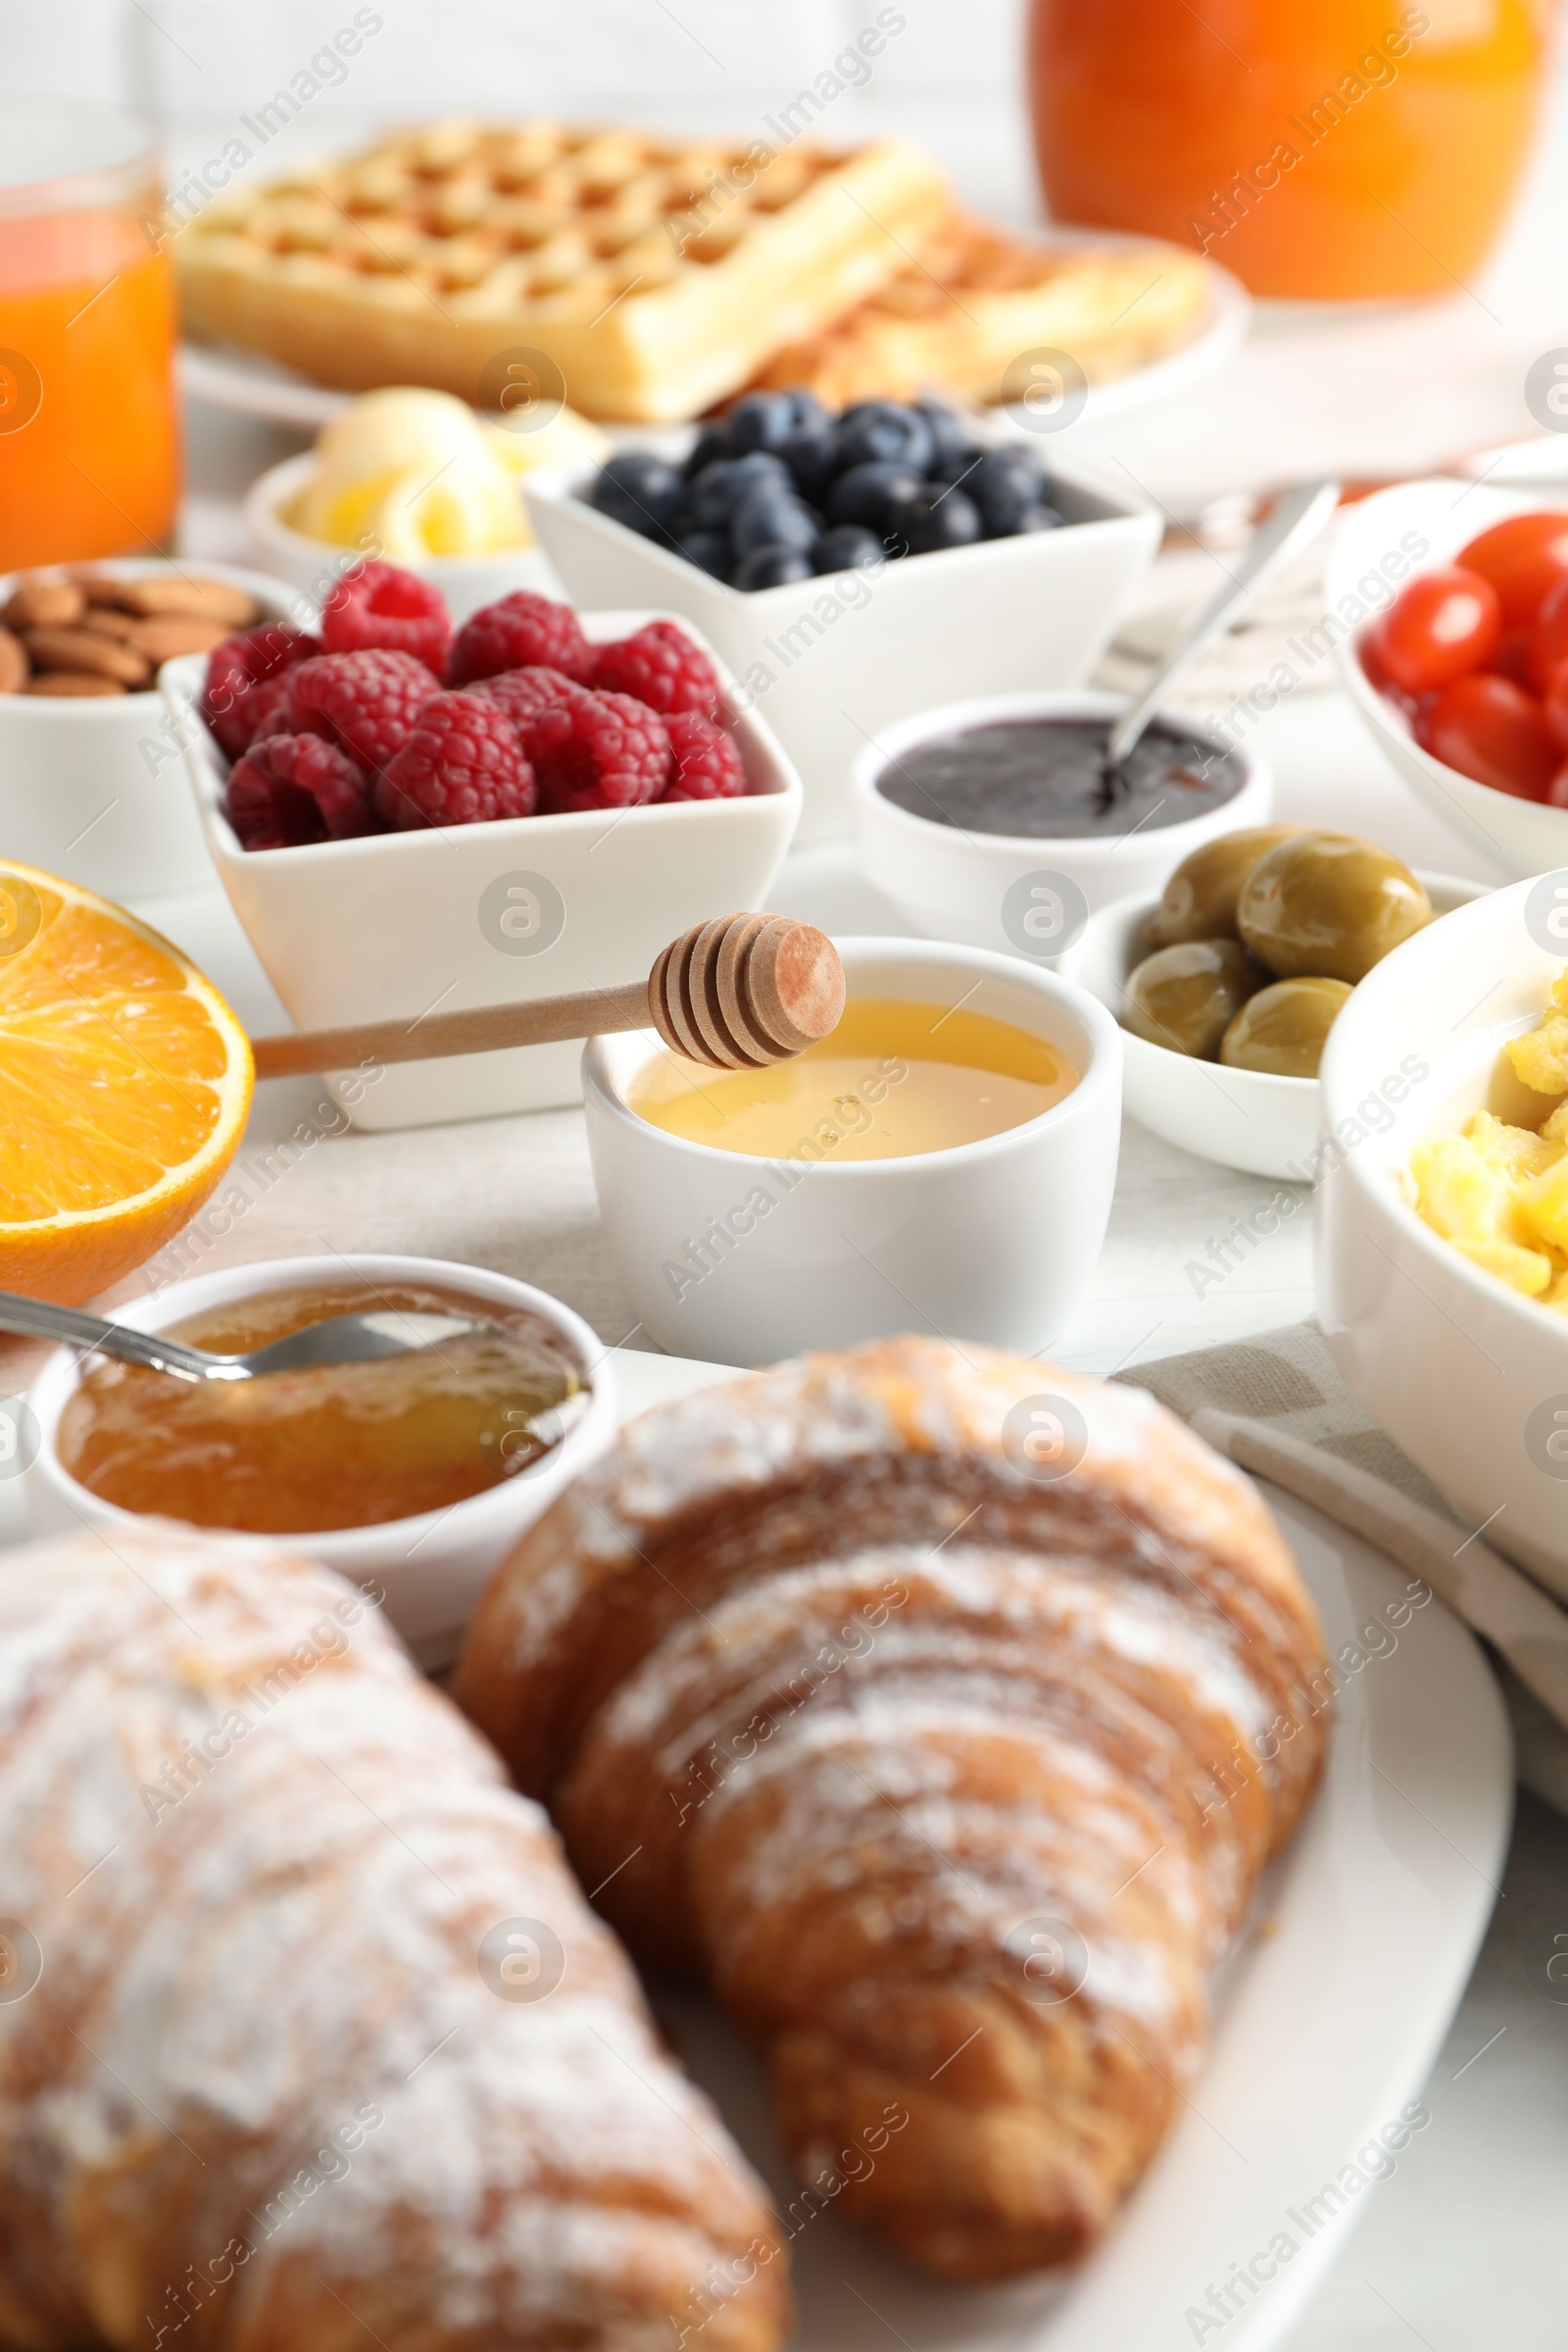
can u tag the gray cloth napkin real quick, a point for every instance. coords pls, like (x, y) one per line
(1277, 1405)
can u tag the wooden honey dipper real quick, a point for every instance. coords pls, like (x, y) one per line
(739, 993)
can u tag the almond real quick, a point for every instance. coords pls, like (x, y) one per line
(106, 621)
(45, 604)
(171, 633)
(12, 664)
(190, 593)
(85, 649)
(74, 681)
(100, 587)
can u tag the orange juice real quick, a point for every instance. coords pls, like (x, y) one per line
(90, 454)
(1317, 148)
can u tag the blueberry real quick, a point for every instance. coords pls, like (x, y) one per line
(764, 520)
(1005, 485)
(879, 430)
(846, 547)
(812, 455)
(1041, 518)
(937, 518)
(871, 493)
(712, 443)
(762, 421)
(953, 445)
(770, 567)
(721, 487)
(708, 550)
(807, 407)
(639, 490)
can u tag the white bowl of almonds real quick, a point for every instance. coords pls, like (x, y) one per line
(91, 768)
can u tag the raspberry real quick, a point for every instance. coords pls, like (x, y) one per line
(461, 765)
(292, 789)
(707, 766)
(266, 710)
(660, 666)
(597, 751)
(524, 693)
(377, 606)
(241, 663)
(522, 631)
(363, 703)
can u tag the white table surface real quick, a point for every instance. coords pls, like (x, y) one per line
(1466, 2246)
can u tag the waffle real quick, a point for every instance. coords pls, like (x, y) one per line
(656, 275)
(972, 302)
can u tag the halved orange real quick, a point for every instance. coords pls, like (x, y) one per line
(125, 1085)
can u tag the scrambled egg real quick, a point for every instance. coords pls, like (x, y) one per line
(1499, 1194)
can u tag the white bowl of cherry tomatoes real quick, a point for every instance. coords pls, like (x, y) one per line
(1461, 669)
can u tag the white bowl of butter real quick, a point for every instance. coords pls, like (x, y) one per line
(943, 1164)
(417, 478)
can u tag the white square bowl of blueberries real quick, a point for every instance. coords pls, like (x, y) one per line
(853, 569)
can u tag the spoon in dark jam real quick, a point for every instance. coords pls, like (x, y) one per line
(1294, 524)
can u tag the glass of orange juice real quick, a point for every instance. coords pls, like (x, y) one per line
(90, 445)
(1320, 149)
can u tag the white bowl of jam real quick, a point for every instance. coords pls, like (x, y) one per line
(944, 1162)
(990, 823)
(412, 1475)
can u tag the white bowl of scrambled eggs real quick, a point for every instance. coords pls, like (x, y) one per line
(1443, 1212)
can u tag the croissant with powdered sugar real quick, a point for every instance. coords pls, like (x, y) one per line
(308, 2039)
(940, 1710)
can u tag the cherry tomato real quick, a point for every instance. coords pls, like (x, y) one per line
(1488, 728)
(1555, 795)
(1524, 558)
(1557, 702)
(1441, 626)
(1549, 639)
(1510, 657)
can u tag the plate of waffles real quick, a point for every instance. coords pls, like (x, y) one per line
(647, 279)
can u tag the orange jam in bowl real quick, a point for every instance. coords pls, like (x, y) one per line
(339, 1446)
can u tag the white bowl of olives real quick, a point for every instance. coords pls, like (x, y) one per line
(1226, 985)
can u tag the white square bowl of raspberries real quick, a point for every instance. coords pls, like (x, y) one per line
(405, 816)
(986, 564)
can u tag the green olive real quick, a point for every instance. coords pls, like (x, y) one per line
(1283, 1029)
(1185, 998)
(1200, 898)
(1330, 904)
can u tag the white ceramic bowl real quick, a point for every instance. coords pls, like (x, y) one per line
(1469, 1375)
(995, 1241)
(530, 907)
(1243, 1119)
(833, 659)
(1378, 545)
(430, 1569)
(94, 790)
(313, 565)
(1013, 894)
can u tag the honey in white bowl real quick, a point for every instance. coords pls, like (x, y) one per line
(895, 1079)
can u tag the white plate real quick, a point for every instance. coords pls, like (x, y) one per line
(254, 386)
(1225, 329)
(1329, 2013)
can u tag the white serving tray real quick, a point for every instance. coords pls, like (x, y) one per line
(1330, 2011)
